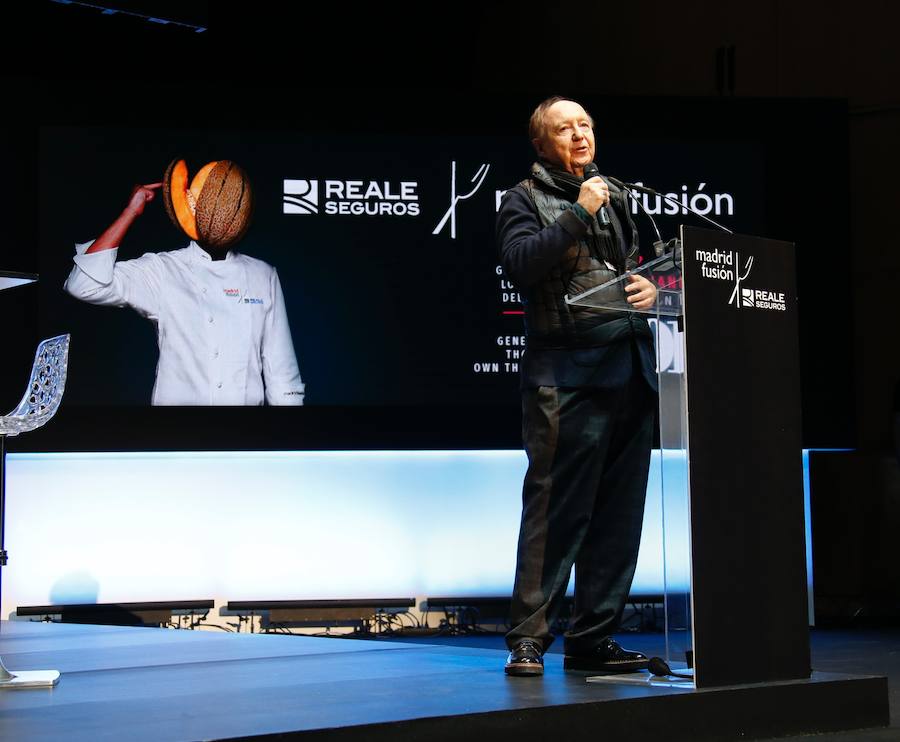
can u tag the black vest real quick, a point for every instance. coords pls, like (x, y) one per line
(549, 321)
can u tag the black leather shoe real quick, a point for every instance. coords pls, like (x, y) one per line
(525, 659)
(609, 657)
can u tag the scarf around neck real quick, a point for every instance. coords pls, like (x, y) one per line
(568, 182)
(602, 240)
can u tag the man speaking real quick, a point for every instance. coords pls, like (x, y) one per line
(588, 399)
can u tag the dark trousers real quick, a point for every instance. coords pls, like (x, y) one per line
(582, 504)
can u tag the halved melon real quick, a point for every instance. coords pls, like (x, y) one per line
(216, 209)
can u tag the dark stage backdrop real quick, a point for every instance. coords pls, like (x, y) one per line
(381, 227)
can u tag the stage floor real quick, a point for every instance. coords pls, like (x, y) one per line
(160, 684)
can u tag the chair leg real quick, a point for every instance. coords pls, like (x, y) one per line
(25, 678)
(2, 501)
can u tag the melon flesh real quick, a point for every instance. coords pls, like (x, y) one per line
(181, 204)
(200, 179)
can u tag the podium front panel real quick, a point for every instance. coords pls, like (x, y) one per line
(748, 562)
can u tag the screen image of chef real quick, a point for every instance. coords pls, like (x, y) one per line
(219, 315)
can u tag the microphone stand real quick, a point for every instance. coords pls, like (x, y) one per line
(659, 247)
(676, 202)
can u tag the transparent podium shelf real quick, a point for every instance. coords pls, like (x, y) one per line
(664, 272)
(664, 319)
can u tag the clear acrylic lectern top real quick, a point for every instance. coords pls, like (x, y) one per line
(664, 272)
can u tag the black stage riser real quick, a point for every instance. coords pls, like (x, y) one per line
(721, 715)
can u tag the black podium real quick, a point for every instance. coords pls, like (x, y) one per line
(731, 455)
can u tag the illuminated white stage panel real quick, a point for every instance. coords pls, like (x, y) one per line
(125, 527)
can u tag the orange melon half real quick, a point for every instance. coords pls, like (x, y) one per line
(175, 187)
(216, 209)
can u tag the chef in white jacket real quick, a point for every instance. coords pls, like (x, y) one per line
(220, 318)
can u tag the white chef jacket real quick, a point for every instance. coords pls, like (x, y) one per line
(221, 325)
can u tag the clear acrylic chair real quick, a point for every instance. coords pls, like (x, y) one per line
(40, 403)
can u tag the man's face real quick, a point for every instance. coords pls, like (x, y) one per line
(568, 139)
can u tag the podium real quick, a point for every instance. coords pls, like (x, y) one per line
(730, 455)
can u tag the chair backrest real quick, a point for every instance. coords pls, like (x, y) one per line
(45, 389)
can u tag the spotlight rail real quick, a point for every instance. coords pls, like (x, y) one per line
(104, 10)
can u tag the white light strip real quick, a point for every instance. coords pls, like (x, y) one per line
(266, 525)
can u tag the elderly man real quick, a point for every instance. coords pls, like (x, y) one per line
(219, 315)
(588, 399)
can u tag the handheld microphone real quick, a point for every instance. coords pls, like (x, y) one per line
(592, 171)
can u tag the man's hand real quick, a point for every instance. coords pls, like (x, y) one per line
(594, 193)
(112, 236)
(141, 195)
(642, 293)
